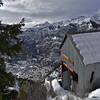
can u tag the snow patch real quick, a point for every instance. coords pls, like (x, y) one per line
(47, 84)
(54, 38)
(58, 89)
(95, 93)
(11, 88)
(62, 94)
(91, 99)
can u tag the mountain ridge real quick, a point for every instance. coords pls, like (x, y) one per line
(41, 46)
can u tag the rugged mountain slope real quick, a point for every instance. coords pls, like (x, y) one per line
(41, 46)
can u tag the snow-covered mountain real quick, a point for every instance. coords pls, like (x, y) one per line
(40, 50)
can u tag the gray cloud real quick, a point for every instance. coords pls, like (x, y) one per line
(47, 9)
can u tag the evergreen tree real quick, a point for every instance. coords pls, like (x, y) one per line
(10, 45)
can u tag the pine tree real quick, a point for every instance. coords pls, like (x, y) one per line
(10, 46)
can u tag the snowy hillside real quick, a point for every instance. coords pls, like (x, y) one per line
(40, 50)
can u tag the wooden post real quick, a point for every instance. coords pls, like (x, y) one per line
(68, 67)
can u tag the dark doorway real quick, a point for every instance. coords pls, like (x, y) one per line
(92, 77)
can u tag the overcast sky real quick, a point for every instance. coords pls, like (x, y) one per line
(42, 10)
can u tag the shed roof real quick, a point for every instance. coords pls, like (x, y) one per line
(89, 46)
(77, 32)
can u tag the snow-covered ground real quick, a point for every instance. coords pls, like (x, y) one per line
(62, 94)
(95, 94)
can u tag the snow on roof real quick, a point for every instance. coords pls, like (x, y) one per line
(89, 46)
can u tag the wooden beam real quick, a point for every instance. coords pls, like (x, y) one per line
(67, 58)
(74, 75)
(68, 67)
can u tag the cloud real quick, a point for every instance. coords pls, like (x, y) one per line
(48, 9)
(98, 11)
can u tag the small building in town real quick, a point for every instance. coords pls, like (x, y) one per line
(80, 56)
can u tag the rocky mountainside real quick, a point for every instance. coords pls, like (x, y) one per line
(40, 50)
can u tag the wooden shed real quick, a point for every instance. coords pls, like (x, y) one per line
(80, 57)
